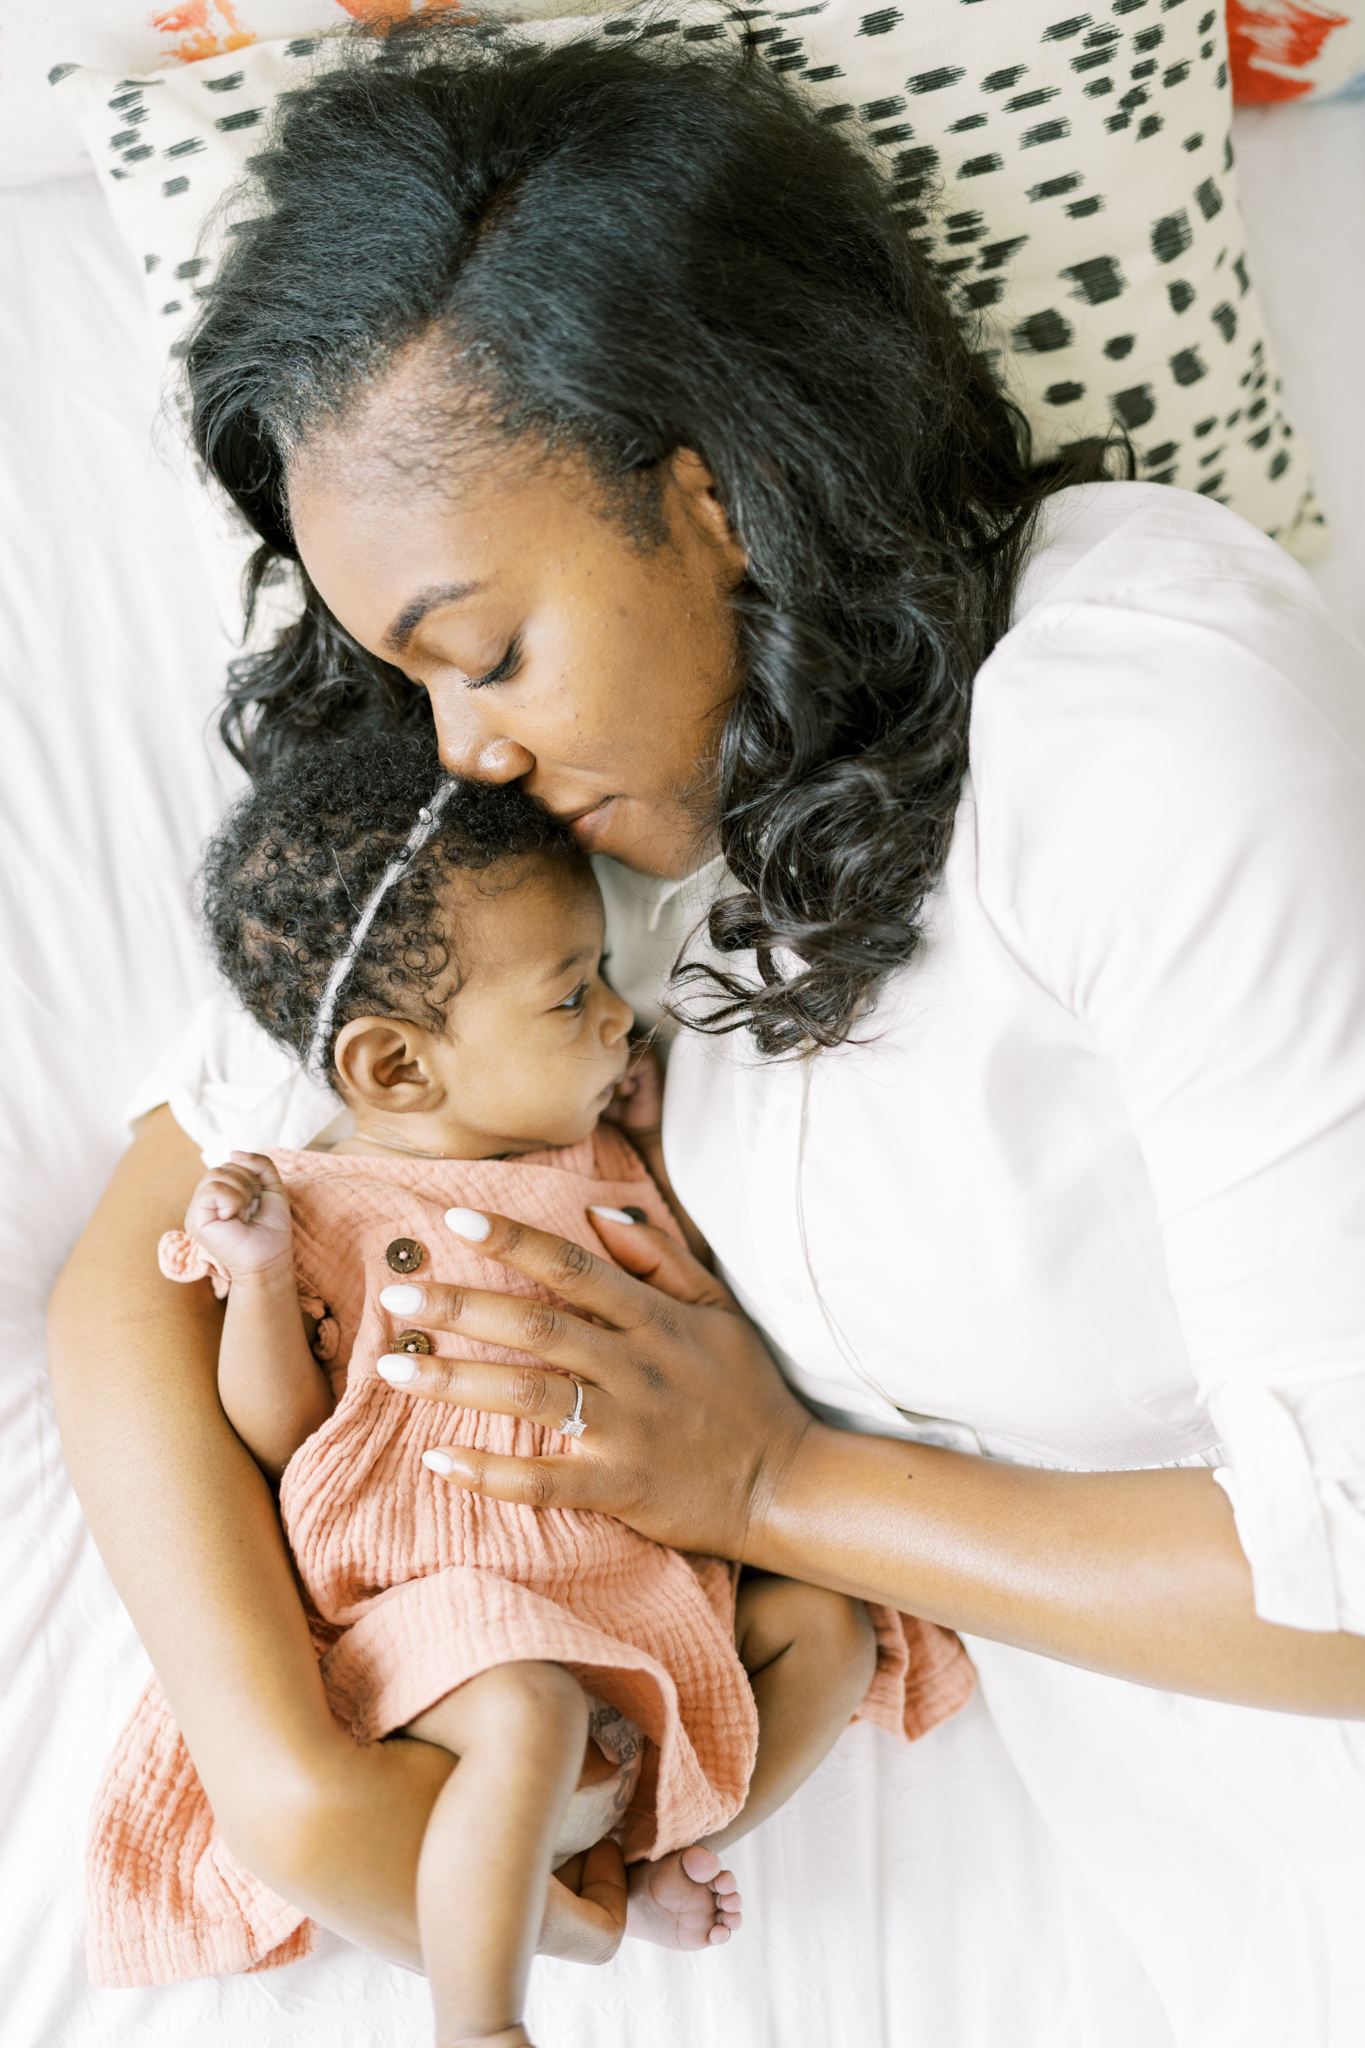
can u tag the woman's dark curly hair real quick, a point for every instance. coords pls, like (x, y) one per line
(293, 864)
(646, 246)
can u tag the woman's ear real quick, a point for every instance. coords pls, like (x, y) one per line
(701, 501)
(386, 1063)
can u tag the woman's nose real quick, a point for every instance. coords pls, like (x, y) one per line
(469, 748)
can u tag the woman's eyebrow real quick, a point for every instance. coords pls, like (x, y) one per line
(412, 615)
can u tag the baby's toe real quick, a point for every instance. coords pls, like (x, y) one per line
(702, 1865)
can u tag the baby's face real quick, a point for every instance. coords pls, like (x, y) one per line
(535, 1041)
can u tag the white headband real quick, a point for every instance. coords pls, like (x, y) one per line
(417, 839)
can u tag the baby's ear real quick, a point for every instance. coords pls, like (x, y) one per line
(385, 1062)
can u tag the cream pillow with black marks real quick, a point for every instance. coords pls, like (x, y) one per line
(1070, 174)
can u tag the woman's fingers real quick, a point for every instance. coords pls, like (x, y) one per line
(553, 1482)
(547, 1332)
(549, 1398)
(511, 1321)
(659, 1260)
(578, 1275)
(684, 1414)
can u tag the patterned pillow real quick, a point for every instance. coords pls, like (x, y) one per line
(1071, 176)
(1281, 49)
(1294, 49)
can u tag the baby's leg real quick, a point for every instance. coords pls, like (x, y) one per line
(519, 1732)
(810, 1656)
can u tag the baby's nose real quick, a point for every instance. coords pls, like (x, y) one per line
(618, 1020)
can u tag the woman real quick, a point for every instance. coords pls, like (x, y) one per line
(615, 425)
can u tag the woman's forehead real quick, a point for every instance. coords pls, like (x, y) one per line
(386, 546)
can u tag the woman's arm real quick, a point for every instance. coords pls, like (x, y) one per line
(694, 1439)
(1138, 1574)
(186, 1524)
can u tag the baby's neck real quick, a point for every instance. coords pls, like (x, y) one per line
(367, 1144)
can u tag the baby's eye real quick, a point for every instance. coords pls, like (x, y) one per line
(576, 1000)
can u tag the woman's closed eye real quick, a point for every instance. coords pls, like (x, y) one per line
(506, 668)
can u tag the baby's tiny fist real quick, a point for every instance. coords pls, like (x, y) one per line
(241, 1216)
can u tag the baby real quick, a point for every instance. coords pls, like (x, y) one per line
(436, 948)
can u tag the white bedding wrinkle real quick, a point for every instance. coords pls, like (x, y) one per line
(111, 659)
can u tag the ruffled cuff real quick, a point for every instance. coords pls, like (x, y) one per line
(180, 1258)
(1296, 1479)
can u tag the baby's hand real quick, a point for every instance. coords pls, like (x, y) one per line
(638, 1104)
(240, 1214)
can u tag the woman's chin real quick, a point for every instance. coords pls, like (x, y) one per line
(648, 841)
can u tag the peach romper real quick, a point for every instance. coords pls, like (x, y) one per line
(414, 1586)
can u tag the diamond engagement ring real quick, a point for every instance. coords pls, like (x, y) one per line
(575, 1425)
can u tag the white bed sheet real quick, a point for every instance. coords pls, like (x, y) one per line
(907, 1898)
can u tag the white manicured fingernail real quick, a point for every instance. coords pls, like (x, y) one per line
(612, 1215)
(439, 1461)
(399, 1372)
(468, 1223)
(404, 1301)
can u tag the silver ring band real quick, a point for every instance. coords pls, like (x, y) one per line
(575, 1425)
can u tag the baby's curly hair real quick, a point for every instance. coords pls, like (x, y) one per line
(292, 866)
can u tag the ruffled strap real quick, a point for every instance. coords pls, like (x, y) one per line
(180, 1258)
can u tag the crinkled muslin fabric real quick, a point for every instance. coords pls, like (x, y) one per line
(416, 1587)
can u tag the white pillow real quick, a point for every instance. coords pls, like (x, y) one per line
(1071, 174)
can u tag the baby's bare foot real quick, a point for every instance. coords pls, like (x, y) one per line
(686, 1900)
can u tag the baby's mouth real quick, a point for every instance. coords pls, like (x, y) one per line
(609, 1091)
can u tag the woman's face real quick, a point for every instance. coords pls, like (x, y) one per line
(556, 650)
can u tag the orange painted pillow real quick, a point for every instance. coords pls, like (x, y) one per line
(1282, 50)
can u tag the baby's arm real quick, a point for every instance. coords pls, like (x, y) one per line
(273, 1391)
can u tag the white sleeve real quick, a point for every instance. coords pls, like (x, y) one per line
(1177, 783)
(231, 1088)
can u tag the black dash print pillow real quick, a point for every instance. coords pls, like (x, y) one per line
(1070, 175)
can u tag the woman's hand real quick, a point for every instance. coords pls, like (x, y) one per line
(688, 1426)
(693, 1438)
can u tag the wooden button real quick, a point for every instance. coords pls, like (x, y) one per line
(413, 1341)
(405, 1255)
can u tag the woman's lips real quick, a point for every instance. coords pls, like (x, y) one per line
(587, 826)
